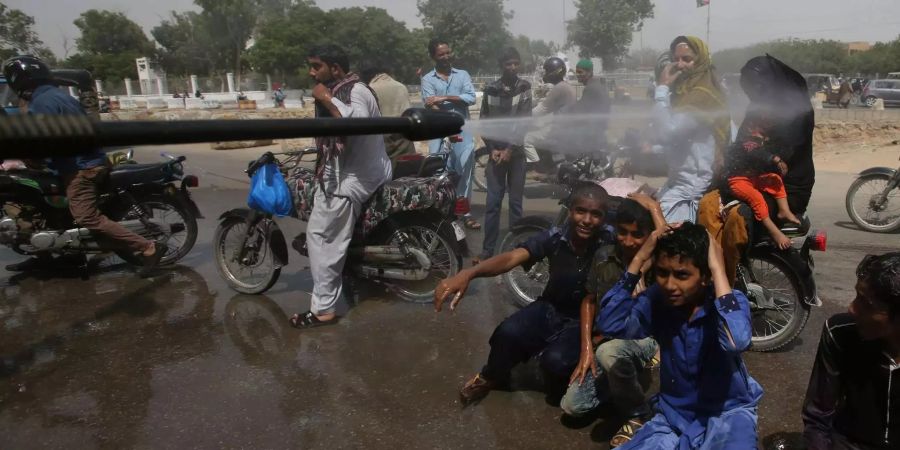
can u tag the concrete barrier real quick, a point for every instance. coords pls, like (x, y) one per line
(157, 103)
(175, 103)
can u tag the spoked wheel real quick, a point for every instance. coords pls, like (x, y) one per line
(871, 210)
(778, 313)
(257, 270)
(524, 287)
(445, 261)
(183, 226)
(482, 156)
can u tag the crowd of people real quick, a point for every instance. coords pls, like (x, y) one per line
(648, 284)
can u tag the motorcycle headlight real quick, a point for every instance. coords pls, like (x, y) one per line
(178, 169)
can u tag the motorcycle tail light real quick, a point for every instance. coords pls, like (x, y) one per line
(455, 139)
(462, 206)
(410, 157)
(818, 241)
(191, 181)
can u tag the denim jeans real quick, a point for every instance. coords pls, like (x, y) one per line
(620, 362)
(537, 330)
(500, 177)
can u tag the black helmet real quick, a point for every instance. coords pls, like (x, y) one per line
(554, 70)
(24, 73)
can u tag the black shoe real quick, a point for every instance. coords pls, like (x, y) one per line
(150, 263)
(36, 263)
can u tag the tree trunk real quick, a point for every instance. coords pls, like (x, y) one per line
(237, 68)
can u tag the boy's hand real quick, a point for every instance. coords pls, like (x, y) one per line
(454, 287)
(644, 200)
(586, 362)
(646, 252)
(716, 256)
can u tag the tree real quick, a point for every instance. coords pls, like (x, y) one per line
(18, 37)
(807, 56)
(642, 58)
(476, 29)
(533, 52)
(604, 28)
(233, 23)
(186, 45)
(109, 44)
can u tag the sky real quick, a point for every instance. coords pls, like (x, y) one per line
(734, 23)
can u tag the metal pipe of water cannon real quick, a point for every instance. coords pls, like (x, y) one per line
(36, 136)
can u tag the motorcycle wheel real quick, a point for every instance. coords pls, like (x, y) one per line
(858, 202)
(524, 287)
(482, 156)
(259, 271)
(171, 212)
(777, 310)
(445, 261)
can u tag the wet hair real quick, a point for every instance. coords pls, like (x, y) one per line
(590, 191)
(689, 241)
(630, 211)
(331, 54)
(434, 44)
(507, 54)
(882, 274)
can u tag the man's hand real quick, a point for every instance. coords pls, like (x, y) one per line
(587, 362)
(433, 101)
(669, 75)
(322, 94)
(454, 287)
(500, 156)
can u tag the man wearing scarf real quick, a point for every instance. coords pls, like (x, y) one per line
(349, 170)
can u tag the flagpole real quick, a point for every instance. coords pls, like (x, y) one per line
(708, 14)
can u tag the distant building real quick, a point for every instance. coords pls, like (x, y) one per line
(858, 47)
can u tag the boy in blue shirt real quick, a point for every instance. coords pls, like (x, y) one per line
(707, 398)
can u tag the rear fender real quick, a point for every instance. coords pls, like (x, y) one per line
(274, 235)
(802, 270)
(878, 171)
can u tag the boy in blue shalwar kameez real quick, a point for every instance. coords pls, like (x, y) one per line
(707, 398)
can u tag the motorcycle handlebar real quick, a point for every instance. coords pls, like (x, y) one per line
(33, 136)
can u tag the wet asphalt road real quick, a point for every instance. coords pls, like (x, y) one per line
(109, 360)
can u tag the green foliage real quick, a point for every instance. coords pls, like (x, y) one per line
(186, 44)
(533, 52)
(642, 59)
(231, 24)
(475, 29)
(604, 28)
(109, 44)
(816, 56)
(18, 37)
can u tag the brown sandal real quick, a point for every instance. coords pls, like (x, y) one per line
(474, 390)
(627, 432)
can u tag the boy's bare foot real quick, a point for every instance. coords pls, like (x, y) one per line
(788, 217)
(781, 241)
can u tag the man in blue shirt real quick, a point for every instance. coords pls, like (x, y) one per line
(83, 175)
(547, 328)
(707, 399)
(450, 89)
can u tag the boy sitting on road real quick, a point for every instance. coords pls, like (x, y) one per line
(707, 398)
(549, 326)
(620, 361)
(853, 399)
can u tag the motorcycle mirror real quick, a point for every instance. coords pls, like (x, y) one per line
(130, 155)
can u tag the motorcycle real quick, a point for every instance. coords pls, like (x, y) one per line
(873, 200)
(407, 237)
(779, 284)
(143, 198)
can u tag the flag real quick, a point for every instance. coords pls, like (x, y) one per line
(702, 3)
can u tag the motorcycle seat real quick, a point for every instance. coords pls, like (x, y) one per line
(418, 166)
(126, 174)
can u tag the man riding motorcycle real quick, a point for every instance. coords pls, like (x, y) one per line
(560, 97)
(83, 175)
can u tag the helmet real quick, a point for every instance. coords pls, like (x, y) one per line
(661, 62)
(24, 73)
(554, 70)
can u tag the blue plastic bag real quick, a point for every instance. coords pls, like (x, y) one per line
(269, 192)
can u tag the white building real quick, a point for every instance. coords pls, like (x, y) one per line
(152, 77)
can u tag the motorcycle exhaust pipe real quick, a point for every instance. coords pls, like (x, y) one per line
(391, 273)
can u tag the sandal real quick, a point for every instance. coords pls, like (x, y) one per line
(626, 433)
(309, 320)
(472, 224)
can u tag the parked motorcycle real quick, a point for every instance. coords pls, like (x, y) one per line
(406, 239)
(151, 200)
(779, 284)
(873, 200)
